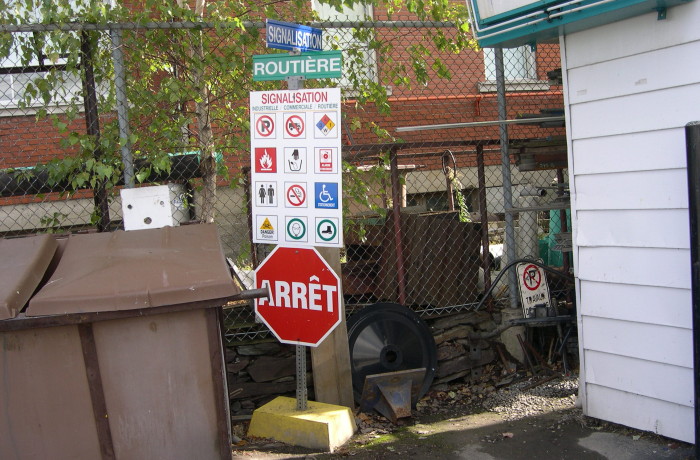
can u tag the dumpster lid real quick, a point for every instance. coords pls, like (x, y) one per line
(136, 269)
(23, 263)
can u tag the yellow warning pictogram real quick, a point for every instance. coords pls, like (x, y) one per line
(266, 225)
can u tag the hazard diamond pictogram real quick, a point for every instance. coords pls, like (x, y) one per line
(325, 124)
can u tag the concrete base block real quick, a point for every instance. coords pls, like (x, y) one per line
(509, 337)
(321, 426)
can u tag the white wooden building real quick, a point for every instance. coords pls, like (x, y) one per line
(630, 88)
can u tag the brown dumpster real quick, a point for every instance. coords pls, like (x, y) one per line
(119, 353)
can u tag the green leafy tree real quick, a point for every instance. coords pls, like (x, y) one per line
(188, 87)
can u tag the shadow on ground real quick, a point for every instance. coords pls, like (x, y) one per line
(485, 436)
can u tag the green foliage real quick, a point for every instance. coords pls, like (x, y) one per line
(462, 208)
(52, 222)
(179, 81)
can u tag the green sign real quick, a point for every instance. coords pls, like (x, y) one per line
(321, 64)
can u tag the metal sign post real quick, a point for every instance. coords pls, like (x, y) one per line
(302, 395)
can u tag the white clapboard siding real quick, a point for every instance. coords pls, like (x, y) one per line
(639, 73)
(671, 108)
(644, 267)
(662, 189)
(648, 414)
(628, 302)
(633, 36)
(652, 379)
(630, 88)
(663, 149)
(641, 228)
(651, 342)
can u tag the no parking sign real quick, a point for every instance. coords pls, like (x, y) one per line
(533, 287)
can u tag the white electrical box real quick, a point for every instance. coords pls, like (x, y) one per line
(153, 207)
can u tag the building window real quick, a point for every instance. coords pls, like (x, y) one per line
(357, 57)
(23, 73)
(519, 68)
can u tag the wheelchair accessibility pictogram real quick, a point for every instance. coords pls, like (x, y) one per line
(326, 194)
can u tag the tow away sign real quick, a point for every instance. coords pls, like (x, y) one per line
(321, 64)
(289, 36)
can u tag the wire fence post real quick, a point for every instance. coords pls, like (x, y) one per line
(505, 172)
(122, 106)
(92, 124)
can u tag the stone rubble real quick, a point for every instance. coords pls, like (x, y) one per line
(516, 401)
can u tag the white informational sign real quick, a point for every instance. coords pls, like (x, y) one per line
(489, 8)
(564, 242)
(534, 290)
(295, 148)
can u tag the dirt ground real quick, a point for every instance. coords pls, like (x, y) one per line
(442, 429)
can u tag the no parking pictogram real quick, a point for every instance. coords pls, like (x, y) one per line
(265, 126)
(296, 195)
(532, 277)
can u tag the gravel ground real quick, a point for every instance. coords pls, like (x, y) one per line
(522, 400)
(515, 416)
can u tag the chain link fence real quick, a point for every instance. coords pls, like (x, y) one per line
(439, 195)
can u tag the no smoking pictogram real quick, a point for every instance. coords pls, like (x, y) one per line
(296, 195)
(265, 126)
(294, 126)
(532, 277)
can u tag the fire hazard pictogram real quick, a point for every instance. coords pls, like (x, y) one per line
(265, 160)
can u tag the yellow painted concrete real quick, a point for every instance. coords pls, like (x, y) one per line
(321, 426)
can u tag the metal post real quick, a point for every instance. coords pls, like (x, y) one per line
(505, 171)
(295, 83)
(396, 214)
(692, 143)
(92, 124)
(122, 107)
(302, 394)
(483, 211)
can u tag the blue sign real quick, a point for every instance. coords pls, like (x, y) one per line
(288, 36)
(326, 194)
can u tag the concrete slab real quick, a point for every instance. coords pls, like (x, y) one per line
(321, 426)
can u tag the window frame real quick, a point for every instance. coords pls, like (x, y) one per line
(524, 67)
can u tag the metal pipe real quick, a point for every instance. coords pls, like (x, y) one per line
(92, 125)
(473, 124)
(505, 172)
(122, 107)
(396, 213)
(531, 190)
(528, 242)
(692, 144)
(481, 173)
(250, 294)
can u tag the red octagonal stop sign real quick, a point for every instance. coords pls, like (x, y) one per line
(304, 303)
